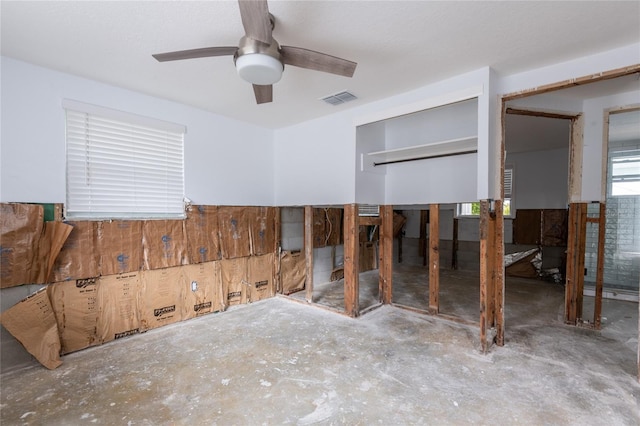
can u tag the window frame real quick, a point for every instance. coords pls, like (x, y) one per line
(120, 165)
(619, 153)
(463, 208)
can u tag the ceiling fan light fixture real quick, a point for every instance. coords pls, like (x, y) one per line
(259, 68)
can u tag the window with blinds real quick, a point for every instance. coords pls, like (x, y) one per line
(473, 209)
(122, 166)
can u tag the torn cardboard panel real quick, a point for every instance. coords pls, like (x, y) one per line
(53, 237)
(33, 323)
(120, 246)
(161, 297)
(292, 271)
(78, 257)
(526, 264)
(201, 229)
(118, 306)
(234, 232)
(234, 281)
(20, 229)
(75, 304)
(28, 247)
(203, 289)
(262, 230)
(164, 244)
(260, 272)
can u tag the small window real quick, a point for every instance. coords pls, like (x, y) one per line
(122, 166)
(473, 209)
(624, 172)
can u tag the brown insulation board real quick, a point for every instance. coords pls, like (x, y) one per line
(523, 268)
(20, 229)
(164, 244)
(28, 247)
(234, 232)
(203, 289)
(120, 246)
(53, 237)
(234, 281)
(260, 277)
(75, 304)
(33, 323)
(262, 230)
(319, 228)
(161, 297)
(333, 227)
(118, 306)
(526, 226)
(292, 271)
(554, 227)
(79, 255)
(368, 256)
(201, 228)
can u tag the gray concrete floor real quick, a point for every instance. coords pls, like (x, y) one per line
(281, 362)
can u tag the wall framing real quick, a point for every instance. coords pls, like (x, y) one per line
(576, 241)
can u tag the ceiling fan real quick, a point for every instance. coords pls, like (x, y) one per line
(259, 58)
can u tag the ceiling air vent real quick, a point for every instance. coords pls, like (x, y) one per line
(340, 98)
(368, 210)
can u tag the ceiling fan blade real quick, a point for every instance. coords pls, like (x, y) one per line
(255, 19)
(204, 52)
(264, 94)
(305, 58)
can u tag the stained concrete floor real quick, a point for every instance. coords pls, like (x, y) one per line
(280, 362)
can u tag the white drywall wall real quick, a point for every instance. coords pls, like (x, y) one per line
(568, 70)
(315, 161)
(438, 124)
(436, 180)
(540, 178)
(226, 161)
(370, 179)
(592, 189)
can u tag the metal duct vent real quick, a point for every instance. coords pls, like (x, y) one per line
(340, 98)
(368, 210)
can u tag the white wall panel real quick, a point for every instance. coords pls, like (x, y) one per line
(226, 161)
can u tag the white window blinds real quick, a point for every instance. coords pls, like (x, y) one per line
(122, 166)
(508, 182)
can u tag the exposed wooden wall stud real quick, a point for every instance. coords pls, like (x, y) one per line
(386, 254)
(498, 274)
(576, 242)
(351, 260)
(308, 252)
(597, 307)
(434, 259)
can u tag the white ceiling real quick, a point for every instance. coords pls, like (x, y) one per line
(399, 45)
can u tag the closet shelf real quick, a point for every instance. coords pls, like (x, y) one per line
(446, 148)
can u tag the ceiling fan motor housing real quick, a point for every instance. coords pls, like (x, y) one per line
(258, 63)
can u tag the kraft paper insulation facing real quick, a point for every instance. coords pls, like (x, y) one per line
(103, 290)
(201, 227)
(28, 246)
(33, 323)
(292, 271)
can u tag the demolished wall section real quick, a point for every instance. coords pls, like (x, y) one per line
(113, 279)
